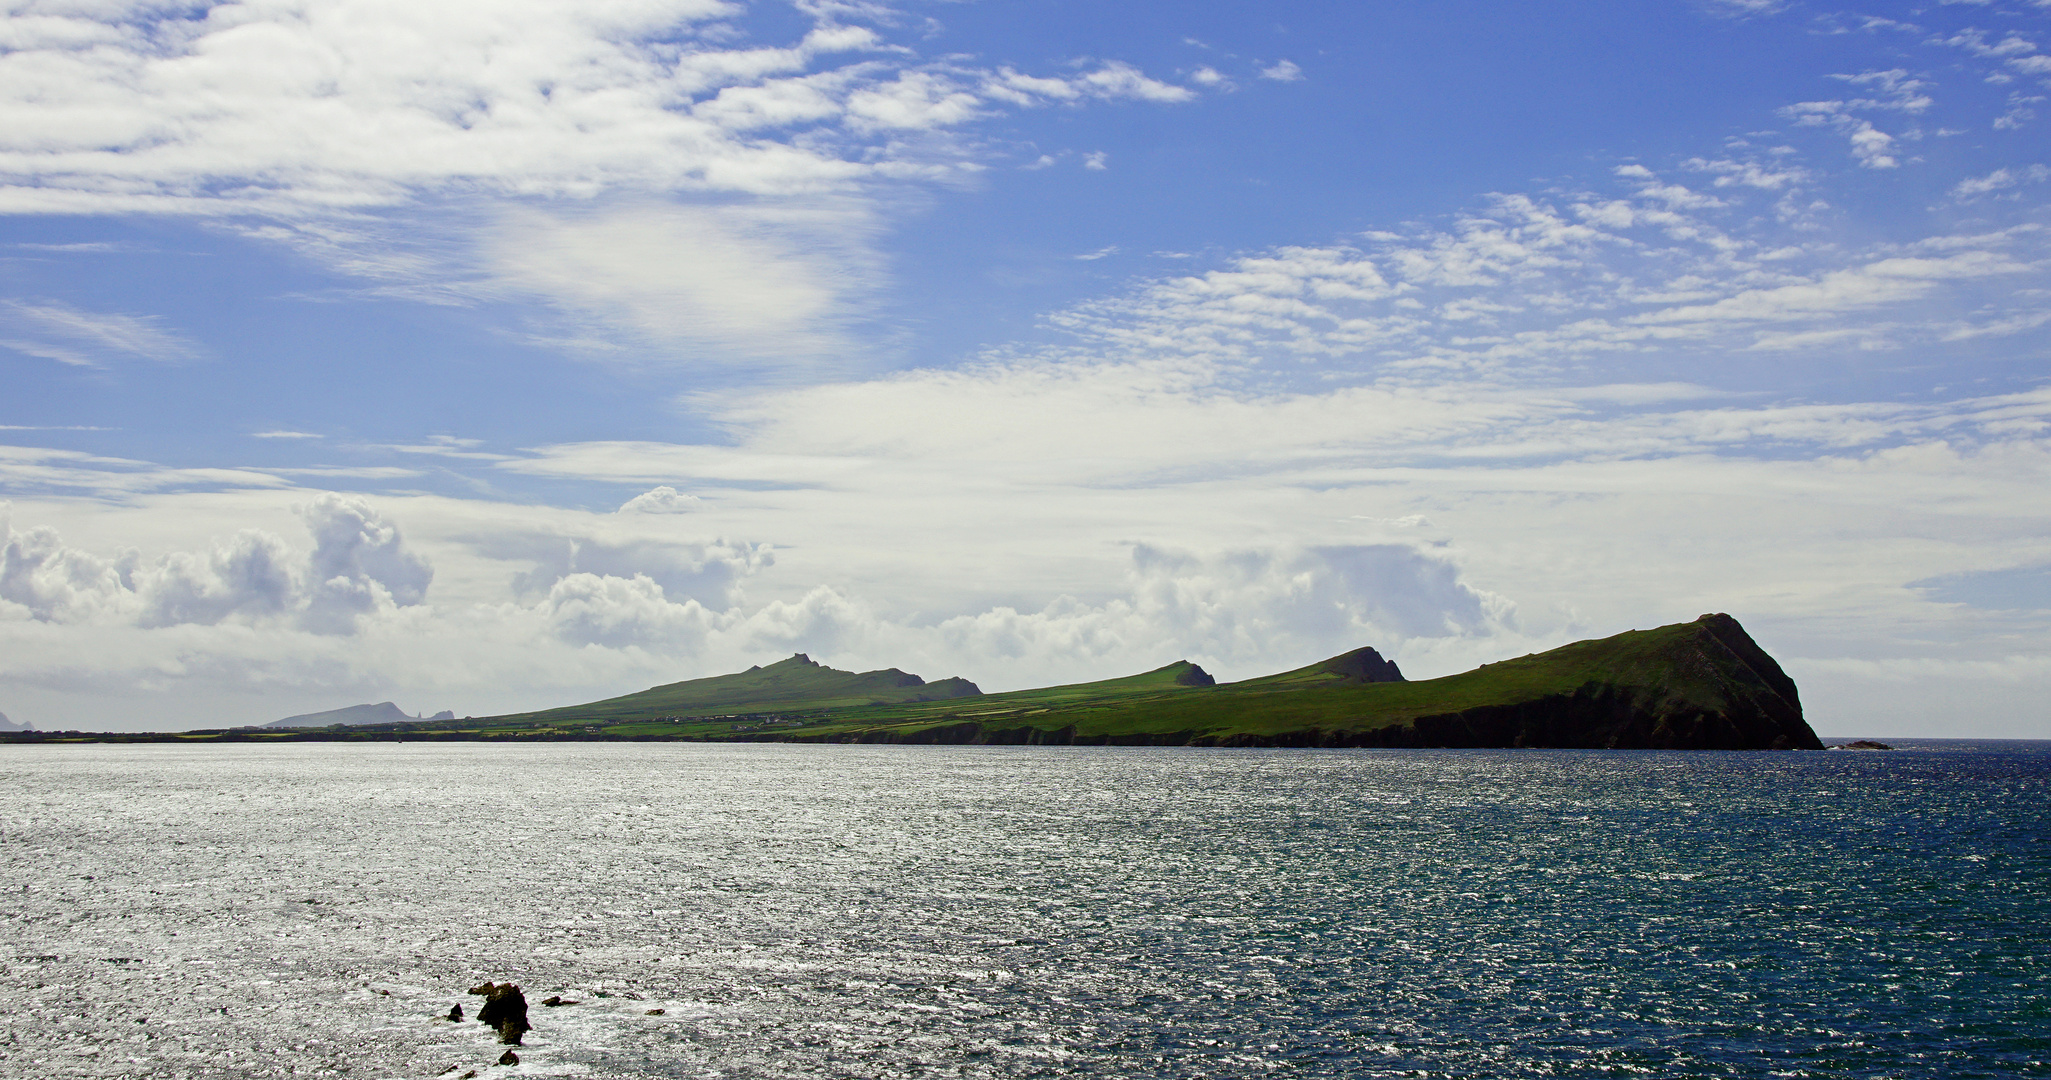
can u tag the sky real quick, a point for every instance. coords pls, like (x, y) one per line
(492, 356)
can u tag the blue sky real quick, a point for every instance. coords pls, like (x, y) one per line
(506, 354)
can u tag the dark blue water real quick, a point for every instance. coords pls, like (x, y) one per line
(1025, 912)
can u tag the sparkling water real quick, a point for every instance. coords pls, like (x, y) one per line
(848, 911)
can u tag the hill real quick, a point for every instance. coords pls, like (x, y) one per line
(1699, 685)
(798, 684)
(384, 712)
(1696, 685)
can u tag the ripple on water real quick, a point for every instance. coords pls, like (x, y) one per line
(1020, 912)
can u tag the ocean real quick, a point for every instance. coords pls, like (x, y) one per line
(765, 910)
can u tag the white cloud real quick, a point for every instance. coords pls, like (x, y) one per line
(359, 566)
(89, 338)
(1097, 160)
(2000, 180)
(660, 500)
(1282, 71)
(1870, 146)
(586, 609)
(616, 159)
(308, 105)
(763, 281)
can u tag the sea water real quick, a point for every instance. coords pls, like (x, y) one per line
(845, 911)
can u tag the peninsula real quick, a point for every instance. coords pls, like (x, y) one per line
(1699, 685)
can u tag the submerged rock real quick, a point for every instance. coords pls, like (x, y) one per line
(509, 1058)
(552, 1001)
(456, 1012)
(505, 1008)
(1862, 744)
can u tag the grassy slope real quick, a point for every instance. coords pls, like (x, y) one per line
(1701, 683)
(985, 708)
(1687, 669)
(792, 685)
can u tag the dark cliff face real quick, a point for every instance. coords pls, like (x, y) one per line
(1711, 688)
(1707, 687)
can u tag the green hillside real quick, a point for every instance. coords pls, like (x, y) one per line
(793, 685)
(1695, 685)
(1703, 684)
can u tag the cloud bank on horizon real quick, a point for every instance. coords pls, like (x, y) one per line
(500, 355)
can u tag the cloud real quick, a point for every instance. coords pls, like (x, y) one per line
(311, 106)
(359, 566)
(1282, 71)
(1222, 607)
(756, 282)
(282, 434)
(589, 609)
(669, 195)
(2026, 588)
(1887, 281)
(660, 500)
(709, 571)
(1097, 160)
(87, 338)
(1870, 146)
(2000, 180)
(254, 574)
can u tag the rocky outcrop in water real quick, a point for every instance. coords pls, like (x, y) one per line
(505, 1009)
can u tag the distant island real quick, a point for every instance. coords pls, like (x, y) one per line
(384, 712)
(1700, 685)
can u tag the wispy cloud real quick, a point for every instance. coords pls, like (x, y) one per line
(640, 98)
(73, 336)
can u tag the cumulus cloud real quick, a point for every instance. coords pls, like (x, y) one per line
(359, 565)
(1235, 607)
(1282, 71)
(616, 612)
(710, 571)
(662, 499)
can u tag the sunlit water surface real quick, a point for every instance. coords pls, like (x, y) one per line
(1023, 912)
